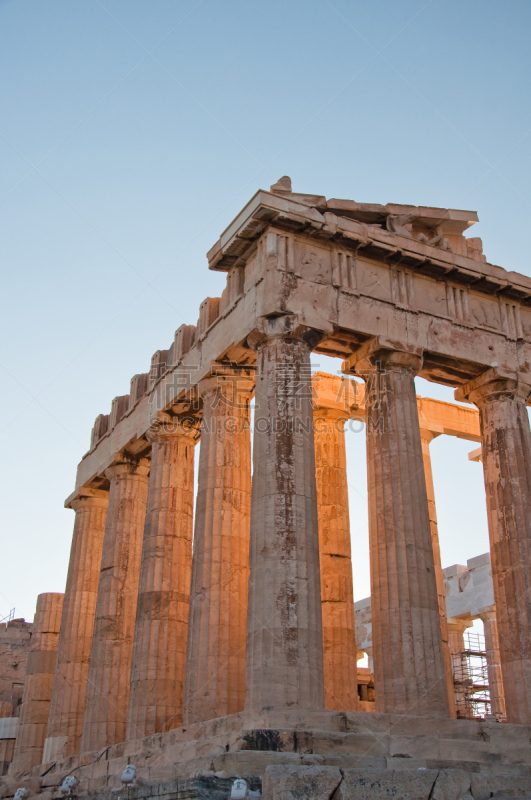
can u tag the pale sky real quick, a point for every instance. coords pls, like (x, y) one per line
(132, 132)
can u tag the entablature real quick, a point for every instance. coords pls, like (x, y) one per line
(342, 273)
(370, 239)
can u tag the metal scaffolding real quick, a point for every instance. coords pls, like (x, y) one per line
(471, 682)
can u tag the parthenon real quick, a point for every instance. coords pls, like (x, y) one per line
(212, 637)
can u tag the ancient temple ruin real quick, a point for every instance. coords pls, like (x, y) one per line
(221, 638)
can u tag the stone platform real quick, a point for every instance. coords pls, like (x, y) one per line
(246, 744)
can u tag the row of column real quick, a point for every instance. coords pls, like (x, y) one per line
(131, 633)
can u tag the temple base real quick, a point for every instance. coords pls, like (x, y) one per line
(246, 744)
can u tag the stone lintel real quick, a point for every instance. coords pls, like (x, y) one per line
(454, 569)
(478, 561)
(441, 417)
(437, 417)
(476, 455)
(331, 392)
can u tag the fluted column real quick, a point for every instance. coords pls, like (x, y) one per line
(425, 438)
(112, 641)
(159, 650)
(284, 627)
(506, 451)
(67, 707)
(456, 628)
(337, 595)
(492, 646)
(38, 684)
(215, 667)
(409, 669)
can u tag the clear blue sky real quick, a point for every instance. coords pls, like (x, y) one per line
(132, 132)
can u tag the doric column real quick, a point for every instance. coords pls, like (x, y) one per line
(425, 438)
(370, 658)
(159, 649)
(456, 644)
(38, 684)
(67, 707)
(112, 641)
(409, 670)
(337, 597)
(506, 451)
(215, 667)
(492, 646)
(284, 627)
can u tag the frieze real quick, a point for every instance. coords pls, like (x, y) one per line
(484, 312)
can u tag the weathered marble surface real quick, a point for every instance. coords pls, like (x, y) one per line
(35, 707)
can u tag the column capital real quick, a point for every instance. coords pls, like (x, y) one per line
(488, 614)
(428, 436)
(183, 425)
(285, 326)
(325, 412)
(494, 384)
(241, 381)
(326, 418)
(85, 501)
(86, 496)
(380, 354)
(459, 625)
(125, 468)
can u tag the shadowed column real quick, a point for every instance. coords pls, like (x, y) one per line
(337, 596)
(492, 646)
(38, 684)
(159, 650)
(426, 437)
(284, 628)
(409, 669)
(215, 668)
(506, 454)
(112, 642)
(67, 707)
